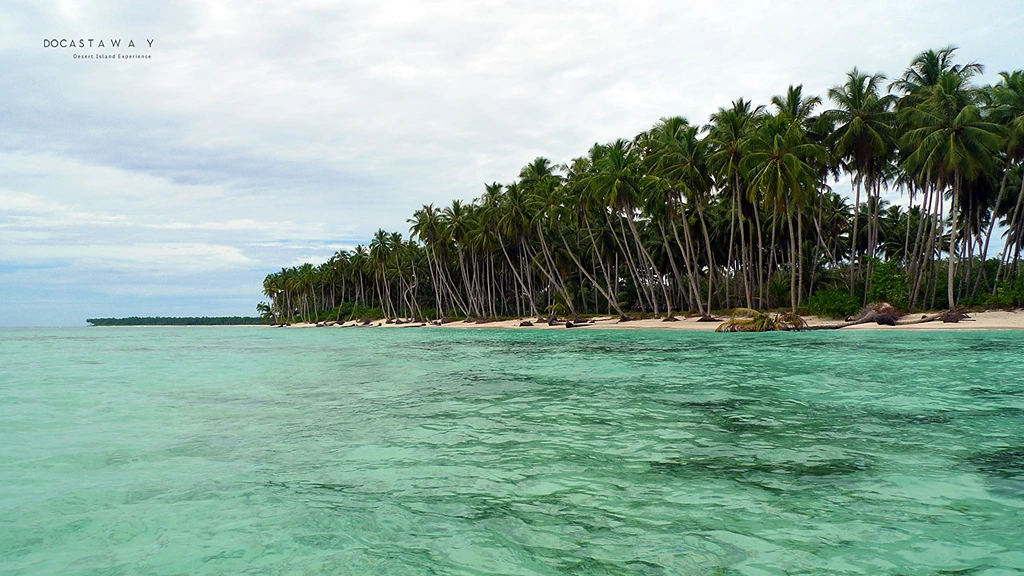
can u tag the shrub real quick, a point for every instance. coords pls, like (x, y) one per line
(833, 303)
(889, 284)
(1006, 296)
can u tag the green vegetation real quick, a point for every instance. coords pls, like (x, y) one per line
(737, 212)
(833, 303)
(185, 321)
(888, 284)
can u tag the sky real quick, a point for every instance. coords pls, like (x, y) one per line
(254, 135)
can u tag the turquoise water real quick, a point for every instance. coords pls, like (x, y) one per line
(360, 451)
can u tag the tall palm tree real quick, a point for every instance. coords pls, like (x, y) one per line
(1007, 108)
(778, 162)
(863, 136)
(954, 143)
(727, 132)
(679, 159)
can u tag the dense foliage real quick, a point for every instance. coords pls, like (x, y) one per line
(183, 321)
(737, 212)
(833, 303)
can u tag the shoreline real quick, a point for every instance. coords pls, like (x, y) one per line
(986, 320)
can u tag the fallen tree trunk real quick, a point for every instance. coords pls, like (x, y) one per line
(881, 318)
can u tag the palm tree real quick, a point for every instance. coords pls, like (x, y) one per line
(863, 137)
(926, 69)
(727, 133)
(1007, 109)
(778, 163)
(954, 144)
(679, 170)
(616, 182)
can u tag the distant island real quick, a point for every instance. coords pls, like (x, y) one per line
(183, 321)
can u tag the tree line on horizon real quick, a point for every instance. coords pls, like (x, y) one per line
(176, 321)
(737, 212)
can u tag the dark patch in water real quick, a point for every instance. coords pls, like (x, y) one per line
(329, 486)
(490, 508)
(982, 391)
(712, 406)
(599, 566)
(899, 418)
(961, 571)
(1004, 463)
(225, 555)
(716, 465)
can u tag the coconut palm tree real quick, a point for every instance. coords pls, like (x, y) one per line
(1007, 108)
(953, 143)
(779, 163)
(728, 130)
(863, 137)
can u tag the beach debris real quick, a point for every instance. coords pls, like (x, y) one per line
(525, 323)
(708, 318)
(953, 317)
(881, 313)
(750, 320)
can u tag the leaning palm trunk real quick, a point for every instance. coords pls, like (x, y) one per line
(952, 236)
(1017, 241)
(732, 241)
(692, 266)
(620, 245)
(553, 276)
(604, 269)
(597, 285)
(654, 267)
(519, 279)
(760, 257)
(691, 273)
(744, 261)
(792, 261)
(671, 258)
(853, 239)
(707, 246)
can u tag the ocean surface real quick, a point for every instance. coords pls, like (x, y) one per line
(420, 451)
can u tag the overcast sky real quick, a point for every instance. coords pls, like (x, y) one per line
(261, 134)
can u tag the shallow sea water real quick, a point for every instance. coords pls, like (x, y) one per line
(362, 451)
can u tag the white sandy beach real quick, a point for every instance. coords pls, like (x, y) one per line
(986, 320)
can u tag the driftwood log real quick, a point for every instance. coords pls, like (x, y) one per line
(887, 315)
